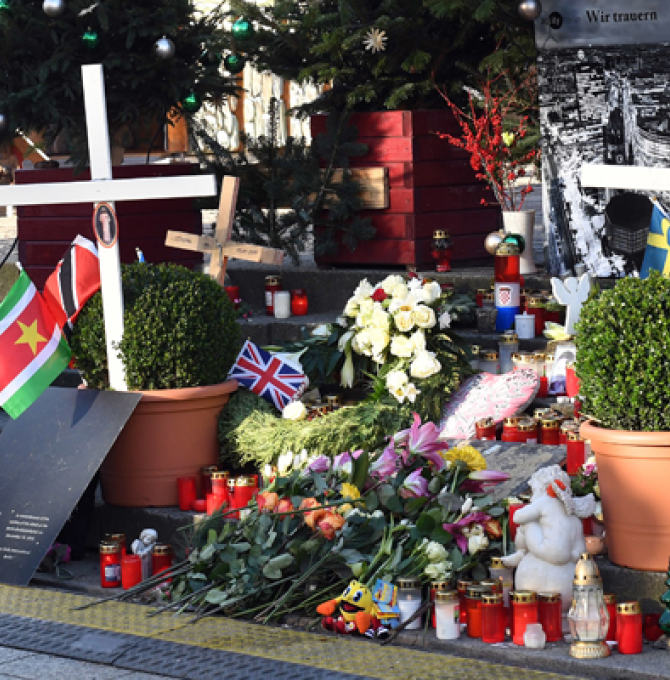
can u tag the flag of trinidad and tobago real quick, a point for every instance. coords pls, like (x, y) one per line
(33, 351)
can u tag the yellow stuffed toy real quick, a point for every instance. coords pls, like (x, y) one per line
(358, 612)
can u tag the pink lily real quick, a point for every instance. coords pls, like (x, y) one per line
(423, 440)
(320, 464)
(414, 486)
(489, 476)
(456, 528)
(345, 461)
(386, 464)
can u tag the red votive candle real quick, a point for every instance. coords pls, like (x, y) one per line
(524, 611)
(493, 618)
(161, 558)
(610, 602)
(110, 565)
(535, 306)
(131, 571)
(214, 502)
(479, 296)
(485, 429)
(299, 302)
(473, 602)
(199, 505)
(510, 433)
(527, 431)
(245, 489)
(435, 586)
(186, 491)
(576, 453)
(513, 526)
(220, 485)
(567, 426)
(550, 613)
(462, 587)
(233, 293)
(571, 381)
(119, 539)
(549, 431)
(206, 479)
(629, 627)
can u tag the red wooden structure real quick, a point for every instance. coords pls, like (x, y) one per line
(431, 186)
(45, 232)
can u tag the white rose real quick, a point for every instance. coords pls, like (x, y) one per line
(379, 340)
(396, 379)
(424, 317)
(361, 343)
(402, 346)
(435, 572)
(411, 392)
(390, 283)
(399, 291)
(364, 290)
(476, 543)
(418, 341)
(296, 410)
(435, 552)
(365, 312)
(415, 284)
(380, 318)
(431, 291)
(351, 308)
(424, 365)
(404, 321)
(445, 320)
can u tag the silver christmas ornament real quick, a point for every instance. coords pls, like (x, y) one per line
(164, 48)
(53, 8)
(530, 9)
(3, 122)
(492, 241)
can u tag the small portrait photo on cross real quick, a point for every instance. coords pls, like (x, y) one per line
(105, 225)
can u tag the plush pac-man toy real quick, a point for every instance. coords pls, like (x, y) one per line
(357, 612)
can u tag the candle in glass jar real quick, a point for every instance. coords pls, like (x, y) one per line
(131, 571)
(500, 572)
(567, 426)
(474, 362)
(186, 491)
(120, 539)
(489, 362)
(629, 627)
(409, 600)
(610, 602)
(273, 284)
(473, 602)
(435, 588)
(576, 453)
(550, 615)
(282, 304)
(524, 325)
(220, 485)
(549, 431)
(462, 586)
(299, 302)
(508, 345)
(479, 297)
(110, 565)
(485, 429)
(206, 479)
(527, 429)
(509, 431)
(493, 618)
(161, 558)
(535, 306)
(523, 360)
(447, 619)
(524, 611)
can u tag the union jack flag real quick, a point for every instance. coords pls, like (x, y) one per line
(276, 380)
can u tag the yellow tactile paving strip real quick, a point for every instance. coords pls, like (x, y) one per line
(345, 655)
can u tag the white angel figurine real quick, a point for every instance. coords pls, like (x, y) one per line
(572, 293)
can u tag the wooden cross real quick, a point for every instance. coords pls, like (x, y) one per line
(103, 189)
(220, 247)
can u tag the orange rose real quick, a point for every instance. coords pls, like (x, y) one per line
(330, 524)
(285, 505)
(314, 517)
(493, 528)
(267, 501)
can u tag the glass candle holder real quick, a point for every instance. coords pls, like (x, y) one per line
(549, 431)
(629, 627)
(576, 453)
(233, 293)
(186, 490)
(220, 486)
(442, 249)
(161, 558)
(508, 344)
(299, 302)
(499, 572)
(473, 602)
(245, 488)
(490, 363)
(206, 479)
(523, 360)
(527, 429)
(610, 602)
(462, 586)
(510, 433)
(110, 565)
(550, 610)
(524, 611)
(534, 636)
(474, 362)
(493, 618)
(282, 304)
(567, 426)
(409, 600)
(535, 306)
(435, 588)
(273, 284)
(119, 539)
(485, 429)
(524, 325)
(540, 370)
(479, 297)
(447, 619)
(131, 571)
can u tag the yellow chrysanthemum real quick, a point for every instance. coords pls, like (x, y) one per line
(352, 493)
(468, 454)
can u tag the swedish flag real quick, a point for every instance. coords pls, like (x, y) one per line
(657, 254)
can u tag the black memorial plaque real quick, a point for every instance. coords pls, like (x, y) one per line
(48, 456)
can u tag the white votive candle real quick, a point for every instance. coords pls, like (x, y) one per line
(282, 301)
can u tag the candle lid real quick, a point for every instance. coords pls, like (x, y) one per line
(440, 233)
(245, 481)
(273, 280)
(492, 598)
(574, 436)
(446, 596)
(534, 301)
(523, 357)
(107, 548)
(508, 338)
(207, 470)
(512, 421)
(482, 291)
(333, 399)
(549, 597)
(476, 592)
(463, 584)
(550, 423)
(609, 598)
(114, 538)
(497, 563)
(587, 572)
(507, 249)
(493, 584)
(161, 549)
(439, 585)
(491, 356)
(540, 413)
(526, 425)
(408, 582)
(485, 422)
(628, 608)
(523, 596)
(220, 474)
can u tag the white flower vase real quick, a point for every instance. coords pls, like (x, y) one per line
(522, 222)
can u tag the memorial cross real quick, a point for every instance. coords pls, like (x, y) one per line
(103, 189)
(220, 246)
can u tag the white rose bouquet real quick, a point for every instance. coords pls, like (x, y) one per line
(400, 325)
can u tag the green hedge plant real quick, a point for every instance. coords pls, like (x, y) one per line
(179, 331)
(623, 349)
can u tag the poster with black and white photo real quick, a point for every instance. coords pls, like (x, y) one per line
(604, 91)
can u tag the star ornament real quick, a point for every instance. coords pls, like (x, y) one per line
(30, 336)
(375, 40)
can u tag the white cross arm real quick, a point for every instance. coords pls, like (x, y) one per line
(631, 177)
(106, 190)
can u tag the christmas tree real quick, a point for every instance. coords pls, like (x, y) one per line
(381, 54)
(156, 54)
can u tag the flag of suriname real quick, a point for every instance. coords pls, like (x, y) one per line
(33, 351)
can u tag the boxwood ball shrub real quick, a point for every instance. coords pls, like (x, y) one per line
(623, 349)
(180, 330)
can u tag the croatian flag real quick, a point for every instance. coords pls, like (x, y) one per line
(278, 381)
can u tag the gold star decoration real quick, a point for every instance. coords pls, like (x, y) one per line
(375, 40)
(30, 336)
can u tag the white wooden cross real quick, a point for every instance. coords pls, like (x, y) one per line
(220, 246)
(103, 189)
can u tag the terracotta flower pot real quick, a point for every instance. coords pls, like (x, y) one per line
(634, 477)
(171, 434)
